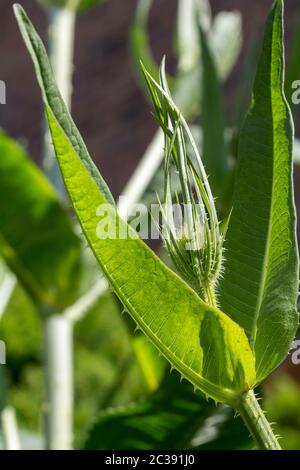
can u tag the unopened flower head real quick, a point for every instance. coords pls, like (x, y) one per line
(196, 244)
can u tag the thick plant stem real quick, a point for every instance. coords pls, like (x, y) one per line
(59, 383)
(248, 406)
(210, 295)
(257, 423)
(61, 33)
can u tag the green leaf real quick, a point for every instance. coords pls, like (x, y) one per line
(52, 96)
(206, 347)
(259, 289)
(36, 238)
(168, 419)
(213, 122)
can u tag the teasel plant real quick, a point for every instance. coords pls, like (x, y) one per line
(227, 351)
(190, 230)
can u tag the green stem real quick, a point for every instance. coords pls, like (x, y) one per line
(257, 423)
(210, 296)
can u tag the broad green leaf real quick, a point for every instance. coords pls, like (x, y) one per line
(213, 123)
(206, 347)
(168, 419)
(259, 288)
(36, 238)
(53, 99)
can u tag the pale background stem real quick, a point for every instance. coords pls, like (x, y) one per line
(143, 174)
(6, 289)
(59, 382)
(10, 433)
